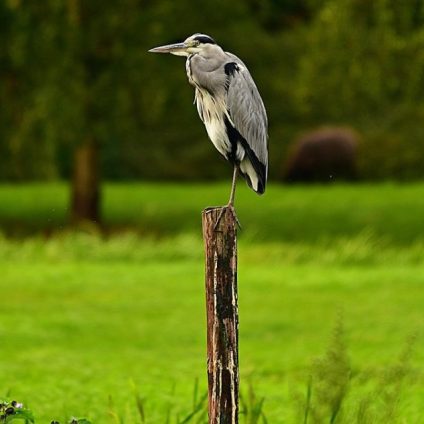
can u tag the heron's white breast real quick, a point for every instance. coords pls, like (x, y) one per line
(218, 135)
(212, 113)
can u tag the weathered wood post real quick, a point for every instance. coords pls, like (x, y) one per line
(222, 315)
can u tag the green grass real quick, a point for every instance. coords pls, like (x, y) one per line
(394, 212)
(85, 317)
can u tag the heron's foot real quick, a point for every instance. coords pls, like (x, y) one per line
(223, 210)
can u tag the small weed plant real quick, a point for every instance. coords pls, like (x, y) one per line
(332, 377)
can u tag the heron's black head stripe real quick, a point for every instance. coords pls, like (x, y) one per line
(205, 39)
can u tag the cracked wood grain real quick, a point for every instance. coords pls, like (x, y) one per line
(222, 315)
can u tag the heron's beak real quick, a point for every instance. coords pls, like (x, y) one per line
(179, 49)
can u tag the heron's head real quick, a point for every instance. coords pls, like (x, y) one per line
(196, 43)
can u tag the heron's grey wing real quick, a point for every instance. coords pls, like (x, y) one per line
(247, 110)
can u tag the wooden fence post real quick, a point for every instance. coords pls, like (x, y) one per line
(222, 315)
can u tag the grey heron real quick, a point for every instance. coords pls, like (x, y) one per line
(230, 106)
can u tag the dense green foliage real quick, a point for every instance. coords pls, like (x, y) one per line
(73, 71)
(363, 66)
(89, 319)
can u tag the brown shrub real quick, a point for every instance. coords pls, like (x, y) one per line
(323, 155)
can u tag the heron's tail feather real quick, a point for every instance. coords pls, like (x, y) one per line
(255, 180)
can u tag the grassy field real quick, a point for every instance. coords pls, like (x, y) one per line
(392, 212)
(85, 318)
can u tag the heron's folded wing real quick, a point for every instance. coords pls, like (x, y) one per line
(246, 109)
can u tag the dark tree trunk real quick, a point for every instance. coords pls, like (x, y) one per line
(222, 315)
(85, 197)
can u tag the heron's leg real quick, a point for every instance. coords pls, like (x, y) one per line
(233, 186)
(230, 204)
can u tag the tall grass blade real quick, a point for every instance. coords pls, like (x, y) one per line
(113, 413)
(197, 408)
(195, 391)
(140, 407)
(308, 400)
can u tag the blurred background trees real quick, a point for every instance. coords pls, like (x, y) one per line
(76, 75)
(363, 65)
